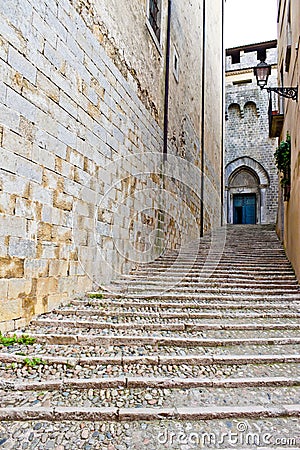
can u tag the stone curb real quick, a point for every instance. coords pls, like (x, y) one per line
(157, 360)
(148, 382)
(162, 327)
(195, 297)
(191, 305)
(184, 315)
(146, 414)
(61, 339)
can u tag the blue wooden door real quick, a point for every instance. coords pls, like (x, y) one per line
(244, 209)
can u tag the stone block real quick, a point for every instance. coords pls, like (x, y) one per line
(58, 268)
(15, 226)
(62, 234)
(45, 231)
(46, 123)
(62, 201)
(41, 194)
(19, 288)
(5, 327)
(46, 286)
(22, 65)
(11, 35)
(68, 104)
(10, 310)
(43, 28)
(41, 304)
(15, 143)
(84, 284)
(36, 268)
(3, 288)
(76, 159)
(53, 55)
(18, 103)
(55, 300)
(49, 250)
(9, 118)
(7, 203)
(21, 248)
(11, 267)
(66, 137)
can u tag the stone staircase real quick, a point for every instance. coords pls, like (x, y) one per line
(177, 357)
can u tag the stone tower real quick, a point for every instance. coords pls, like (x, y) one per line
(251, 181)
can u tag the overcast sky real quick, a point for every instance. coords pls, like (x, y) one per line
(250, 21)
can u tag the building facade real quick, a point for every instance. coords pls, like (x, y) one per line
(111, 134)
(289, 76)
(251, 180)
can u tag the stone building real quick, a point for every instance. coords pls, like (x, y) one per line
(288, 119)
(251, 180)
(111, 134)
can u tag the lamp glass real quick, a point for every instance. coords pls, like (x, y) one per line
(262, 72)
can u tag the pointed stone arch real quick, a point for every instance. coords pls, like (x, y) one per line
(245, 176)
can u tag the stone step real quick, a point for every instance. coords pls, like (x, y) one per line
(161, 317)
(280, 433)
(173, 332)
(152, 359)
(195, 297)
(177, 289)
(133, 382)
(206, 278)
(64, 367)
(183, 326)
(240, 279)
(173, 305)
(209, 283)
(208, 355)
(146, 414)
(119, 339)
(152, 392)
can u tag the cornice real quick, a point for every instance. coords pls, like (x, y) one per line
(246, 70)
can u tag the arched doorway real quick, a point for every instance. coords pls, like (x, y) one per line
(246, 184)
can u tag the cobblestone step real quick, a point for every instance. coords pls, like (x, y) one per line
(155, 358)
(146, 414)
(177, 290)
(206, 355)
(279, 433)
(191, 302)
(185, 327)
(127, 339)
(128, 315)
(65, 367)
(137, 392)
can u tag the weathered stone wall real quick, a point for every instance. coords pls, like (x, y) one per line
(81, 107)
(247, 125)
(288, 50)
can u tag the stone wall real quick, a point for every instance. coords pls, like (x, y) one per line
(247, 142)
(84, 193)
(289, 65)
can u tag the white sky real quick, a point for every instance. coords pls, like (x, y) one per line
(250, 21)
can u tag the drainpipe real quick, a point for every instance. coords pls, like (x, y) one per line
(202, 120)
(167, 81)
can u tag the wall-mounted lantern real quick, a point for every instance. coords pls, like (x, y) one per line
(262, 72)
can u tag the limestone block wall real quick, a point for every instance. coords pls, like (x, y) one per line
(247, 125)
(84, 193)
